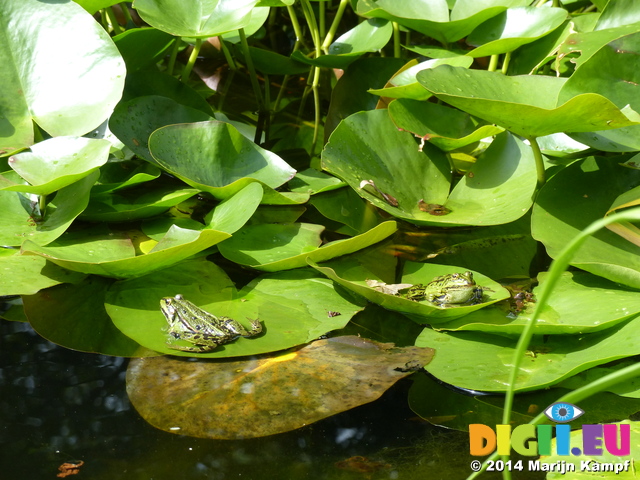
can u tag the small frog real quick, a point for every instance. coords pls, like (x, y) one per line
(454, 288)
(204, 330)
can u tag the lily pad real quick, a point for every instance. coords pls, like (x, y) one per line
(293, 245)
(126, 206)
(353, 275)
(580, 303)
(291, 306)
(524, 104)
(58, 162)
(574, 198)
(483, 361)
(199, 19)
(444, 127)
(19, 212)
(259, 397)
(431, 17)
(66, 85)
(368, 146)
(513, 28)
(135, 120)
(215, 157)
(27, 274)
(71, 315)
(114, 255)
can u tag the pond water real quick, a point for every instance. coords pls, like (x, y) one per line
(59, 406)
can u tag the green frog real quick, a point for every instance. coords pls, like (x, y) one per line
(454, 288)
(204, 330)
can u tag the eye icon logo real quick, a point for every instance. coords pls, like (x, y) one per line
(562, 412)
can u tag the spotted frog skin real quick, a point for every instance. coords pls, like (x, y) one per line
(451, 289)
(202, 329)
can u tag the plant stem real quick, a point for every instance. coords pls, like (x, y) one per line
(505, 62)
(493, 63)
(174, 54)
(558, 266)
(244, 45)
(328, 39)
(396, 39)
(192, 60)
(315, 72)
(113, 20)
(537, 154)
(127, 14)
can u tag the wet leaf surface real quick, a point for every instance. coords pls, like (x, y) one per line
(258, 397)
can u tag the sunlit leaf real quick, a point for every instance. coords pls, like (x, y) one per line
(291, 306)
(66, 85)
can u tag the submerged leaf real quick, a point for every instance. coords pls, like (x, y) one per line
(259, 397)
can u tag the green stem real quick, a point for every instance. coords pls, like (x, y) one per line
(244, 45)
(537, 155)
(296, 28)
(227, 54)
(127, 14)
(42, 205)
(328, 39)
(192, 60)
(493, 63)
(315, 72)
(505, 62)
(174, 54)
(322, 13)
(396, 39)
(558, 266)
(117, 29)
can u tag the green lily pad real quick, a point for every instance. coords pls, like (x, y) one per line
(142, 47)
(370, 35)
(67, 80)
(27, 274)
(19, 212)
(312, 181)
(135, 120)
(574, 198)
(116, 176)
(524, 104)
(483, 361)
(444, 127)
(113, 255)
(198, 19)
(513, 28)
(352, 273)
(293, 245)
(611, 72)
(132, 205)
(292, 306)
(345, 206)
(74, 316)
(367, 146)
(288, 391)
(215, 157)
(580, 303)
(431, 17)
(405, 84)
(57, 162)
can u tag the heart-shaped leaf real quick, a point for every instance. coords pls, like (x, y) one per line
(291, 306)
(524, 104)
(66, 85)
(195, 18)
(55, 163)
(293, 245)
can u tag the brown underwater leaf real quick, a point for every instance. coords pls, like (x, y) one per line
(267, 395)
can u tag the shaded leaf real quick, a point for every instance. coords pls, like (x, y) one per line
(293, 245)
(255, 398)
(74, 316)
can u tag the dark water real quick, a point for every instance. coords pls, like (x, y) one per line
(58, 406)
